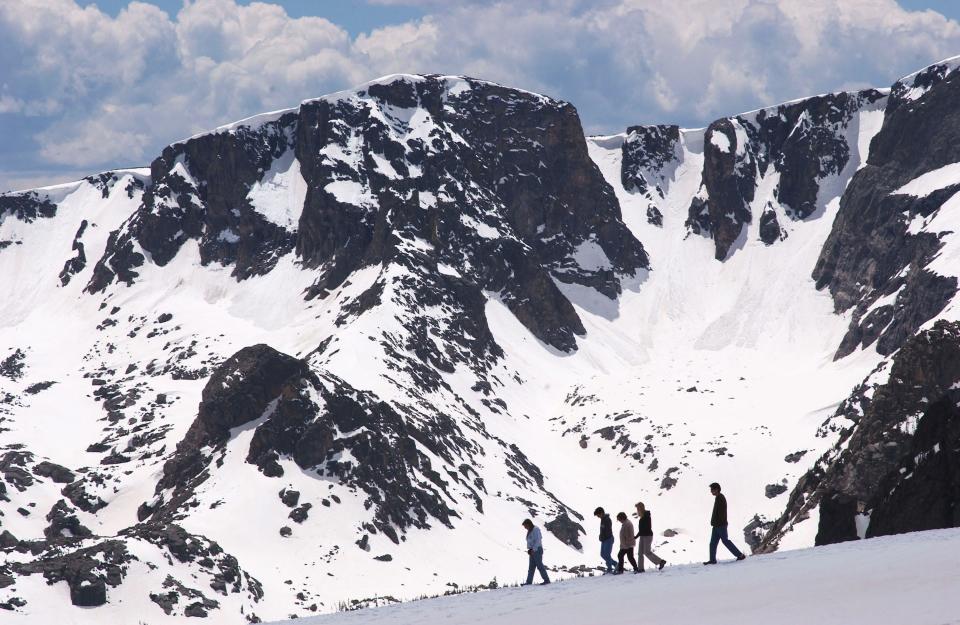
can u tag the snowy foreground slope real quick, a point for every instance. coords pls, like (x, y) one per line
(892, 580)
(337, 353)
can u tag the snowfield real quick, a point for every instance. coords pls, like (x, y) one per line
(896, 580)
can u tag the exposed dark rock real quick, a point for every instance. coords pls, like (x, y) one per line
(115, 458)
(754, 530)
(89, 593)
(837, 520)
(300, 513)
(668, 480)
(645, 149)
(721, 209)
(63, 523)
(877, 441)
(8, 541)
(87, 571)
(384, 558)
(290, 498)
(285, 531)
(198, 605)
(774, 490)
(811, 144)
(76, 264)
(166, 600)
(27, 206)
(795, 456)
(238, 392)
(499, 160)
(770, 231)
(654, 216)
(215, 211)
(923, 491)
(13, 468)
(566, 530)
(224, 570)
(804, 142)
(77, 494)
(382, 443)
(869, 247)
(55, 472)
(33, 389)
(12, 603)
(12, 366)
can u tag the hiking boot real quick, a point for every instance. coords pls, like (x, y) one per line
(710, 562)
(741, 557)
(662, 564)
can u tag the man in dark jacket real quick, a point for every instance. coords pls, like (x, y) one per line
(718, 520)
(535, 551)
(606, 539)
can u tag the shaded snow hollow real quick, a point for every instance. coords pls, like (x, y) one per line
(892, 580)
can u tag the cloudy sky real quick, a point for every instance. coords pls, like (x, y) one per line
(88, 86)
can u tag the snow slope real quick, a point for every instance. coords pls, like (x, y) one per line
(882, 581)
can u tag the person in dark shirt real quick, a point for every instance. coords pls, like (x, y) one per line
(718, 521)
(606, 539)
(645, 538)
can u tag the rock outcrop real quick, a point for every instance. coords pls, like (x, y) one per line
(869, 469)
(872, 252)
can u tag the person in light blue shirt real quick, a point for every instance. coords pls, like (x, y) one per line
(535, 551)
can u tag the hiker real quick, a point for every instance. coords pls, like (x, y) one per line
(606, 539)
(535, 551)
(718, 520)
(645, 538)
(627, 542)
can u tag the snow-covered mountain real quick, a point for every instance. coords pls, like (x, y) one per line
(337, 353)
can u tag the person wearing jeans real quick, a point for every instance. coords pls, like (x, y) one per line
(718, 521)
(606, 539)
(535, 551)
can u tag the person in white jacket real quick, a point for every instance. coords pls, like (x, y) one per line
(535, 551)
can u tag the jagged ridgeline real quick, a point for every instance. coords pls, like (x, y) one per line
(333, 355)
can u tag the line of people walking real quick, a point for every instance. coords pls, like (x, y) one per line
(640, 539)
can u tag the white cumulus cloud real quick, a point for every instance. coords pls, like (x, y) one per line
(80, 89)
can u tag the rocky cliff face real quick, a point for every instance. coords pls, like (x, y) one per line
(469, 168)
(878, 249)
(888, 429)
(923, 492)
(801, 143)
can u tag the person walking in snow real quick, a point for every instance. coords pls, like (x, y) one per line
(718, 521)
(645, 538)
(606, 539)
(627, 543)
(535, 551)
